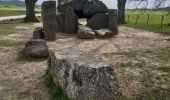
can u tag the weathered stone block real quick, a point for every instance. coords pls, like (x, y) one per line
(84, 8)
(49, 19)
(83, 76)
(85, 32)
(60, 22)
(113, 21)
(104, 33)
(94, 6)
(36, 48)
(71, 21)
(98, 21)
(38, 33)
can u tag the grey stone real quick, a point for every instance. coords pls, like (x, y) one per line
(38, 33)
(85, 32)
(36, 48)
(71, 21)
(60, 20)
(94, 6)
(84, 8)
(49, 19)
(104, 33)
(83, 76)
(113, 21)
(98, 21)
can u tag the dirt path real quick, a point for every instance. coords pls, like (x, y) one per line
(22, 80)
(14, 17)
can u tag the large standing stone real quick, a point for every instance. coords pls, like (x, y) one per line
(83, 76)
(71, 21)
(36, 48)
(94, 6)
(85, 32)
(60, 20)
(38, 33)
(104, 33)
(113, 21)
(98, 21)
(49, 19)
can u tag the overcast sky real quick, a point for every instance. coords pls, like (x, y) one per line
(112, 4)
(109, 3)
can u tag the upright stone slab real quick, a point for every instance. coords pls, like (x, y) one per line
(98, 21)
(60, 22)
(49, 19)
(38, 33)
(113, 21)
(83, 76)
(71, 21)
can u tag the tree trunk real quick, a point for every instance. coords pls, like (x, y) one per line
(121, 11)
(59, 2)
(30, 13)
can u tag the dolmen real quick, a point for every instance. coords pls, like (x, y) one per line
(98, 16)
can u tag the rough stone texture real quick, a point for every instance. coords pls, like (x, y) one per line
(38, 33)
(82, 76)
(98, 21)
(71, 21)
(49, 19)
(36, 48)
(85, 32)
(103, 33)
(77, 6)
(84, 8)
(113, 21)
(94, 6)
(60, 20)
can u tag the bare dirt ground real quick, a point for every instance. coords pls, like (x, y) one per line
(137, 56)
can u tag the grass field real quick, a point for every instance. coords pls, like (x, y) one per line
(154, 23)
(13, 10)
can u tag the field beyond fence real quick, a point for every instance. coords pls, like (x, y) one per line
(155, 21)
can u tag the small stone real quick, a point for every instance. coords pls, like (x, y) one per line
(38, 33)
(36, 48)
(104, 33)
(85, 32)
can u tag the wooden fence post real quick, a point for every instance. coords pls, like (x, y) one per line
(148, 19)
(162, 21)
(137, 19)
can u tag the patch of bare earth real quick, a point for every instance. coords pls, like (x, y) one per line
(130, 52)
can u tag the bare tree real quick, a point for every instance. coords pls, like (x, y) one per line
(156, 3)
(30, 13)
(121, 11)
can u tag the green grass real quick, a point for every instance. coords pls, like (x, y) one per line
(6, 43)
(22, 57)
(153, 72)
(56, 92)
(13, 10)
(23, 95)
(6, 29)
(154, 22)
